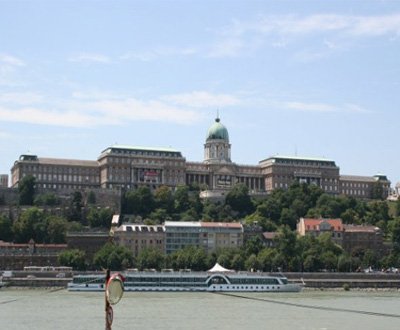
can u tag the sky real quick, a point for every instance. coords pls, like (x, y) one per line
(292, 78)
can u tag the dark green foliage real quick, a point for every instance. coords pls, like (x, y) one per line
(181, 196)
(100, 218)
(164, 199)
(189, 258)
(150, 258)
(56, 229)
(48, 199)
(113, 257)
(26, 190)
(91, 198)
(253, 245)
(39, 226)
(6, 233)
(76, 206)
(397, 209)
(140, 202)
(394, 226)
(239, 200)
(30, 225)
(73, 258)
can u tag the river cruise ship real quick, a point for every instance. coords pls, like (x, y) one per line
(184, 280)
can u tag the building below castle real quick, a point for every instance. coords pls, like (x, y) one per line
(129, 167)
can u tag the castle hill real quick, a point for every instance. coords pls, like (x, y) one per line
(150, 208)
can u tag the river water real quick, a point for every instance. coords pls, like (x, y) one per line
(311, 310)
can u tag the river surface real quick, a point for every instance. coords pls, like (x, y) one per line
(312, 310)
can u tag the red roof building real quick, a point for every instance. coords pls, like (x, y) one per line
(319, 226)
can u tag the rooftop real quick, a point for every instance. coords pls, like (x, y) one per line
(297, 158)
(335, 223)
(221, 224)
(140, 148)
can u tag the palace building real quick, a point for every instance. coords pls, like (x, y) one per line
(128, 167)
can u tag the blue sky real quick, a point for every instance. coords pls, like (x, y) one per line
(305, 78)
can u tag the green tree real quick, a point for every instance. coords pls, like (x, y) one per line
(210, 211)
(150, 258)
(329, 260)
(30, 224)
(251, 263)
(139, 202)
(100, 218)
(6, 233)
(253, 245)
(344, 263)
(76, 206)
(164, 199)
(73, 258)
(159, 215)
(91, 198)
(286, 244)
(270, 208)
(265, 259)
(47, 199)
(397, 209)
(181, 196)
(237, 262)
(26, 190)
(394, 228)
(239, 200)
(56, 229)
(113, 257)
(289, 218)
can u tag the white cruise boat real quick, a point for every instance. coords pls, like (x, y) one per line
(214, 280)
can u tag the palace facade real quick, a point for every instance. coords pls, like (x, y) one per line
(129, 167)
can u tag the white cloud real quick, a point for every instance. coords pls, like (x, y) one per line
(8, 66)
(40, 116)
(9, 60)
(295, 25)
(20, 98)
(92, 109)
(5, 135)
(324, 108)
(241, 37)
(201, 99)
(309, 107)
(139, 56)
(153, 54)
(230, 47)
(90, 58)
(137, 110)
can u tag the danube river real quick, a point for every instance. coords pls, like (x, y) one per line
(312, 310)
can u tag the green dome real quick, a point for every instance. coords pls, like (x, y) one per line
(217, 131)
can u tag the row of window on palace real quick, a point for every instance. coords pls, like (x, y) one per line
(304, 163)
(129, 161)
(143, 241)
(146, 153)
(355, 185)
(61, 170)
(66, 177)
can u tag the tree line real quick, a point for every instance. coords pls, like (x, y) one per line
(278, 212)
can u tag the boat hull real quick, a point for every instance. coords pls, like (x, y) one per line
(213, 288)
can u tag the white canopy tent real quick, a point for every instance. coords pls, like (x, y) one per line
(218, 268)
